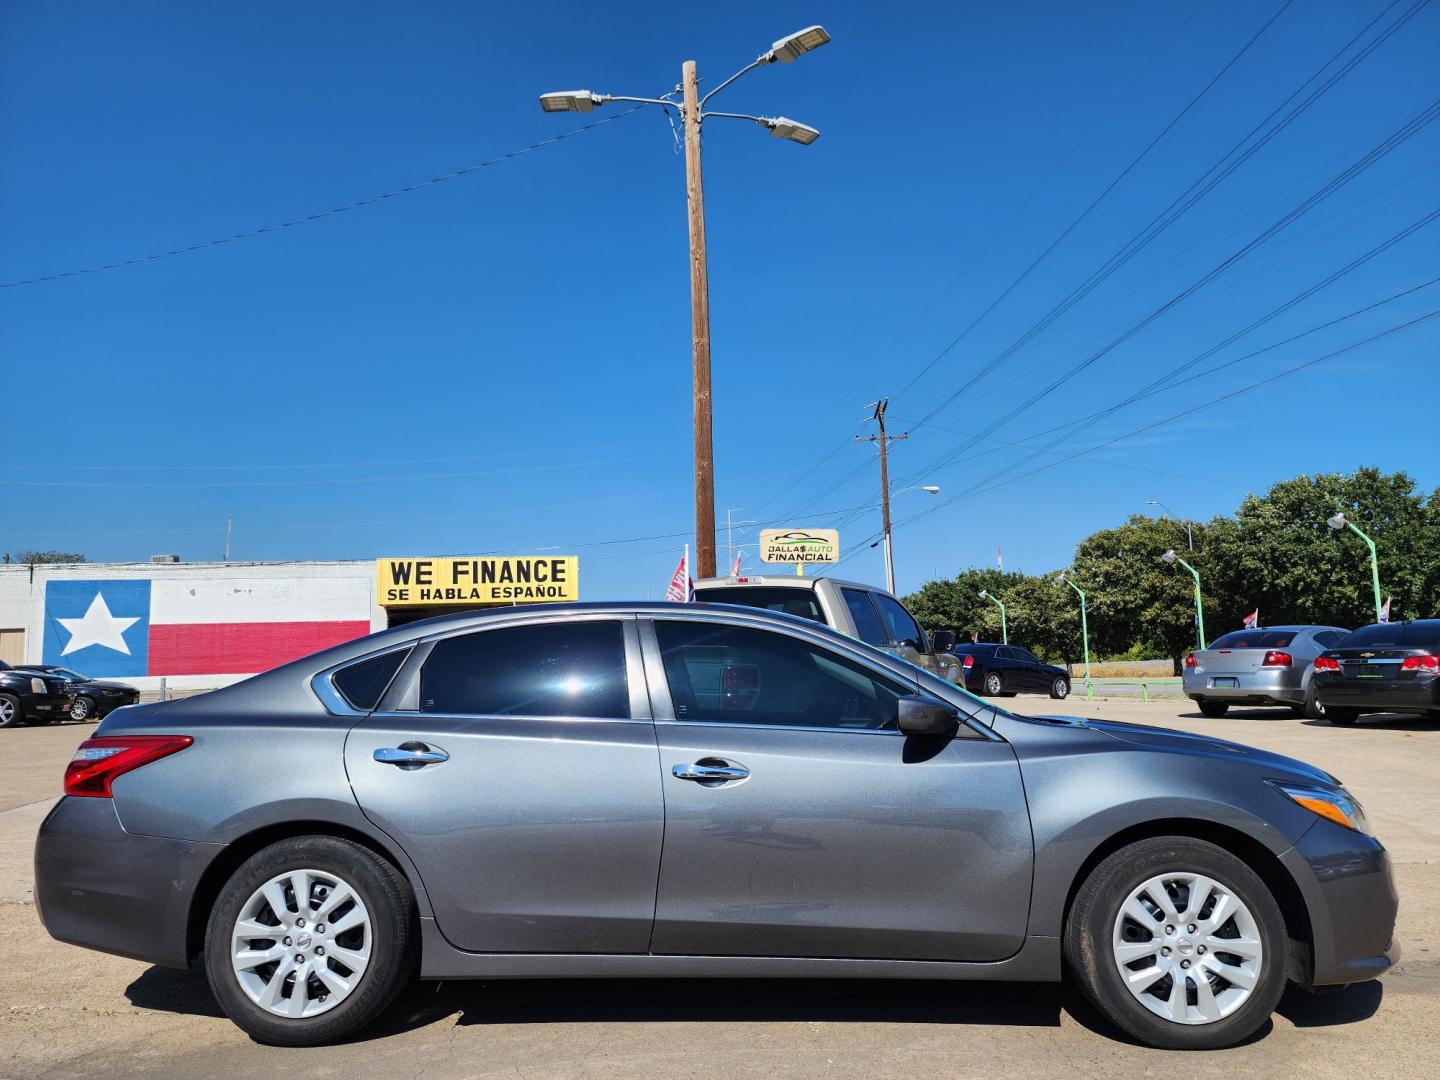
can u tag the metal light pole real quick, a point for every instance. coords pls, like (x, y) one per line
(1170, 558)
(1338, 522)
(693, 111)
(1189, 533)
(1004, 630)
(1064, 579)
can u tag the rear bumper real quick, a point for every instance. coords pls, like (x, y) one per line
(1269, 685)
(1349, 890)
(1410, 695)
(102, 888)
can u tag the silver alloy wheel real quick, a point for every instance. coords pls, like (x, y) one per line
(301, 943)
(80, 709)
(7, 712)
(1061, 688)
(993, 685)
(1187, 948)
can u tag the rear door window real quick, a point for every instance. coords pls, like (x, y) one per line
(868, 627)
(899, 622)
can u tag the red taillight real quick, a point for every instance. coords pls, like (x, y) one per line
(1190, 660)
(968, 663)
(1326, 663)
(1276, 658)
(1420, 663)
(97, 762)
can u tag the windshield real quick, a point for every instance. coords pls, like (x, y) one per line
(68, 673)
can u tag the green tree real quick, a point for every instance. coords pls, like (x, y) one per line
(955, 604)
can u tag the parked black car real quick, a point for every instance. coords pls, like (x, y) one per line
(30, 695)
(94, 698)
(1007, 670)
(1384, 667)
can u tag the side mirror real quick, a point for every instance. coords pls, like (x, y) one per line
(919, 715)
(942, 641)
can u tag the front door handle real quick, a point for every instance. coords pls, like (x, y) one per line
(410, 755)
(705, 773)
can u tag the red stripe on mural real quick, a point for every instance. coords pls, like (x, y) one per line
(241, 648)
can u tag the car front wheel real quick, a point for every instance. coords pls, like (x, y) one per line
(9, 710)
(81, 708)
(309, 940)
(1178, 943)
(1060, 688)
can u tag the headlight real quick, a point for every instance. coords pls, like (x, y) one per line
(37, 686)
(1333, 804)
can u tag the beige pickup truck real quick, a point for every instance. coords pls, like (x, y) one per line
(872, 615)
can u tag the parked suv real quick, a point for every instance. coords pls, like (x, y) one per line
(873, 615)
(30, 695)
(1269, 665)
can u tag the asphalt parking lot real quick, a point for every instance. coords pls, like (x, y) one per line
(67, 1012)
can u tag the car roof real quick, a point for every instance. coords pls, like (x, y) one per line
(784, 581)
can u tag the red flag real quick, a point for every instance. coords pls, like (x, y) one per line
(1252, 620)
(1385, 610)
(682, 587)
(735, 567)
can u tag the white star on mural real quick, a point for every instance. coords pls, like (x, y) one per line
(98, 627)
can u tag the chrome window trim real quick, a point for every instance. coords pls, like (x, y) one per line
(323, 683)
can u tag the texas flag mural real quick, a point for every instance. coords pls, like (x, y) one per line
(136, 627)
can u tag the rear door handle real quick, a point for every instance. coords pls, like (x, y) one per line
(703, 773)
(410, 755)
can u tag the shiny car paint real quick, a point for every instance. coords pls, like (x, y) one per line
(1019, 669)
(565, 846)
(1239, 676)
(1372, 676)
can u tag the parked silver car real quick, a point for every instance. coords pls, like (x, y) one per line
(1270, 665)
(626, 790)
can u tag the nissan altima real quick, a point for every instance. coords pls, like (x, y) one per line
(691, 790)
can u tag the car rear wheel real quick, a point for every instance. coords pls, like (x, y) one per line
(1060, 688)
(81, 708)
(1314, 708)
(1178, 943)
(309, 940)
(994, 684)
(1341, 717)
(9, 710)
(1212, 708)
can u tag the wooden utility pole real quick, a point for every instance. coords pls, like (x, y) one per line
(700, 332)
(883, 440)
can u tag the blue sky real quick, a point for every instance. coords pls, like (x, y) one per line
(500, 363)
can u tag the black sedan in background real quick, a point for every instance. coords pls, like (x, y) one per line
(1007, 670)
(1384, 667)
(93, 697)
(30, 696)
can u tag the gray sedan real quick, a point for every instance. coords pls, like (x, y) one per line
(694, 790)
(1269, 665)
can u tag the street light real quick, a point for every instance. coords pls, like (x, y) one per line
(1170, 559)
(692, 110)
(1004, 630)
(929, 489)
(1189, 533)
(1064, 578)
(1339, 522)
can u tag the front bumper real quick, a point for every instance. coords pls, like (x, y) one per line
(44, 706)
(102, 888)
(1397, 695)
(1266, 686)
(1349, 890)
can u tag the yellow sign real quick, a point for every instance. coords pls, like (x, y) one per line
(525, 579)
(799, 545)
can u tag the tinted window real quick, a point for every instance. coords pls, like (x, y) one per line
(1424, 633)
(1328, 639)
(363, 684)
(551, 669)
(1025, 655)
(735, 675)
(792, 601)
(868, 627)
(898, 621)
(1254, 639)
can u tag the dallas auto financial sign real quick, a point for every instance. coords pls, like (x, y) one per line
(499, 580)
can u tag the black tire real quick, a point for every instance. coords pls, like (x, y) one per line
(394, 947)
(1314, 708)
(10, 714)
(1298, 711)
(1060, 688)
(1089, 932)
(82, 709)
(994, 684)
(1211, 708)
(1341, 717)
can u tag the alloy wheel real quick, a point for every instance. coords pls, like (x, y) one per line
(301, 943)
(7, 712)
(80, 709)
(1187, 948)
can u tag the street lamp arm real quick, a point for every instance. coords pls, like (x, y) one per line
(733, 116)
(760, 61)
(642, 100)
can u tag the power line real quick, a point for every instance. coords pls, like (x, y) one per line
(319, 215)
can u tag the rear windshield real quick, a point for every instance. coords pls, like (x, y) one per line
(1254, 639)
(1425, 633)
(802, 602)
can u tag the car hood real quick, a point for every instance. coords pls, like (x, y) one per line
(1180, 742)
(105, 684)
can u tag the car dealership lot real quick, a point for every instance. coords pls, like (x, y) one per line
(68, 1012)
